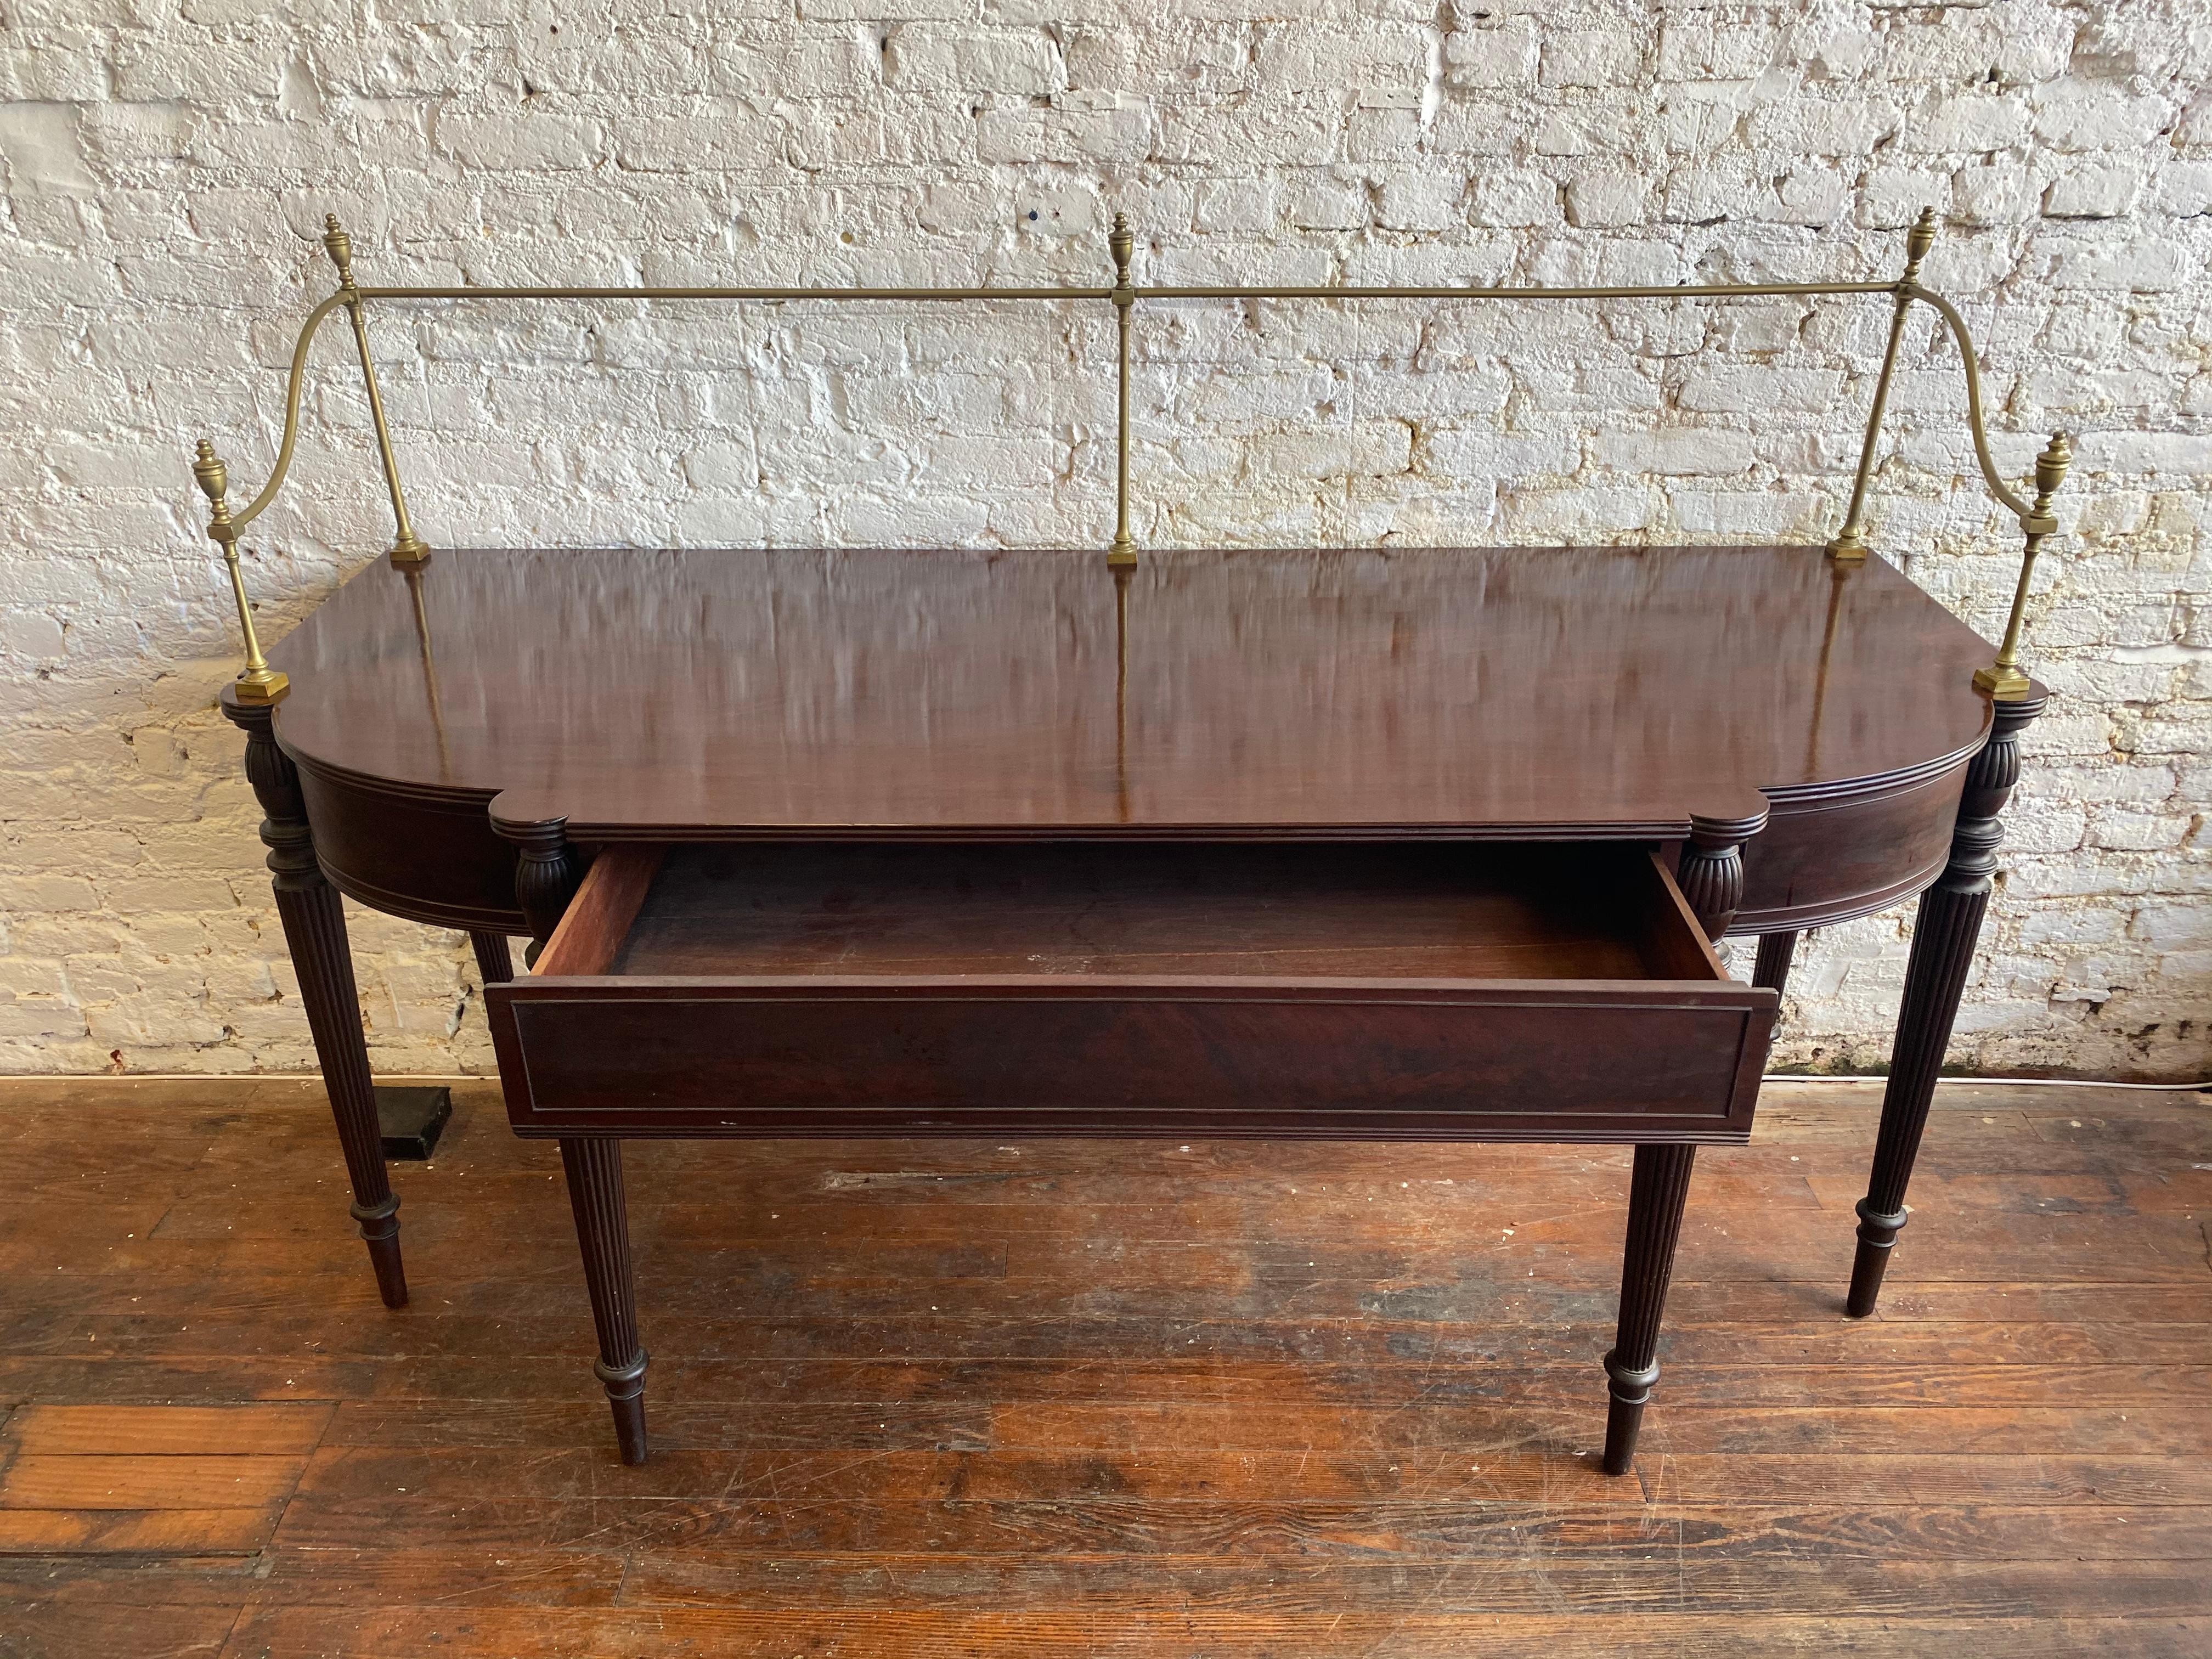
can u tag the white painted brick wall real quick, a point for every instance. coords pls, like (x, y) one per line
(167, 167)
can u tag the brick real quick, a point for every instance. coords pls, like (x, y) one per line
(1745, 389)
(1972, 125)
(2106, 192)
(31, 635)
(1592, 58)
(1607, 198)
(1694, 51)
(518, 140)
(1504, 55)
(1247, 205)
(1420, 201)
(1699, 120)
(1675, 452)
(122, 138)
(2185, 189)
(44, 146)
(1516, 199)
(2174, 926)
(1841, 126)
(932, 57)
(2077, 114)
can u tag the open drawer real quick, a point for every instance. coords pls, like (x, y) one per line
(1465, 991)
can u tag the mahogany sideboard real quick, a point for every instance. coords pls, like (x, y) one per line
(1419, 844)
(1415, 844)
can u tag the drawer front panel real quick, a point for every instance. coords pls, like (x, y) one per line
(1492, 1060)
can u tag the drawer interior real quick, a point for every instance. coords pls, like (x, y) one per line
(1372, 910)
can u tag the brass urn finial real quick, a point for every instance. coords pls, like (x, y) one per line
(1121, 244)
(1917, 241)
(214, 481)
(339, 246)
(2051, 470)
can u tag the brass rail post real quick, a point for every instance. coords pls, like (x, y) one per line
(2002, 679)
(1849, 545)
(407, 548)
(1122, 554)
(257, 682)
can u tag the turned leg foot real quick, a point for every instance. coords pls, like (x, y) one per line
(1655, 1192)
(1878, 1232)
(378, 1226)
(625, 1387)
(594, 1164)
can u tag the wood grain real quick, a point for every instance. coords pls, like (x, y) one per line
(930, 1398)
(591, 932)
(685, 694)
(1353, 911)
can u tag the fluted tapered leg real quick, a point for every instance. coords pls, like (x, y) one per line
(1943, 938)
(1776, 952)
(1655, 1192)
(315, 933)
(595, 1193)
(493, 963)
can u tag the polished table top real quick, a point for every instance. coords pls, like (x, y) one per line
(651, 693)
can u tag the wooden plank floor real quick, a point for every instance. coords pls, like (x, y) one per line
(1084, 1398)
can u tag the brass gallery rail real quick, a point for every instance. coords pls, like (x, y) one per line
(2003, 679)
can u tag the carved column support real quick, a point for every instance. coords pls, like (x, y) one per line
(1710, 870)
(1655, 1192)
(594, 1164)
(546, 876)
(315, 933)
(1944, 933)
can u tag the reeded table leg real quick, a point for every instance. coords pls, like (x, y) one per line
(315, 933)
(1776, 952)
(1654, 1222)
(595, 1193)
(494, 963)
(1943, 936)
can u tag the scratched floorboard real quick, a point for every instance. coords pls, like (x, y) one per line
(1189, 1399)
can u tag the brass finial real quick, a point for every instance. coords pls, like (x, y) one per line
(1917, 241)
(215, 483)
(1121, 553)
(257, 682)
(339, 246)
(2051, 473)
(2004, 678)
